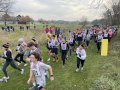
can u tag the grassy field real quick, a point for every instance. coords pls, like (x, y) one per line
(100, 73)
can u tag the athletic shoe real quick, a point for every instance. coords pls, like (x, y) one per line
(63, 66)
(82, 68)
(77, 69)
(1, 80)
(5, 78)
(22, 72)
(19, 64)
(25, 64)
(48, 59)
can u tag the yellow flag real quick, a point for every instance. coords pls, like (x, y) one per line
(104, 47)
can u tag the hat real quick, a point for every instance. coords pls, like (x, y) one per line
(5, 45)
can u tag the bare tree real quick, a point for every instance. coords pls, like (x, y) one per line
(84, 21)
(111, 11)
(5, 6)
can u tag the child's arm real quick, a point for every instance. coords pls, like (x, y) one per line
(30, 78)
(51, 74)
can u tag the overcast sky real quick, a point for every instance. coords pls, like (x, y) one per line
(69, 10)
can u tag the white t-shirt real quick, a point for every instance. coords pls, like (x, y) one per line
(81, 53)
(100, 37)
(39, 72)
(63, 46)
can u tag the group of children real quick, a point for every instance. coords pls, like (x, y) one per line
(55, 44)
(79, 38)
(37, 67)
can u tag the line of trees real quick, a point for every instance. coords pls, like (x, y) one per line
(111, 13)
(5, 10)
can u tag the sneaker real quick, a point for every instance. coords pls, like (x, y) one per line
(82, 68)
(25, 64)
(1, 80)
(63, 66)
(6, 78)
(22, 72)
(48, 59)
(77, 69)
(19, 64)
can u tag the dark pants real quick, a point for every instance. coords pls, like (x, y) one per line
(64, 52)
(98, 46)
(109, 39)
(79, 42)
(71, 48)
(21, 58)
(37, 87)
(80, 61)
(105, 38)
(6, 65)
(87, 43)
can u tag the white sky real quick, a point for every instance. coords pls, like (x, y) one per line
(69, 10)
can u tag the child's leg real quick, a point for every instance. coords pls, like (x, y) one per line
(78, 63)
(4, 68)
(70, 50)
(16, 58)
(21, 58)
(82, 63)
(14, 66)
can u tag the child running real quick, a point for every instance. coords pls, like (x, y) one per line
(81, 56)
(37, 70)
(64, 47)
(20, 54)
(9, 61)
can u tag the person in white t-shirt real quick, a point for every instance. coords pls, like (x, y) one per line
(37, 70)
(81, 56)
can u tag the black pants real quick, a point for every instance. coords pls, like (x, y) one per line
(87, 43)
(79, 42)
(80, 61)
(109, 39)
(21, 58)
(64, 53)
(37, 87)
(98, 46)
(6, 64)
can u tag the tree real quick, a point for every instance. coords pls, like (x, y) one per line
(24, 19)
(112, 11)
(84, 21)
(5, 17)
(5, 5)
(41, 21)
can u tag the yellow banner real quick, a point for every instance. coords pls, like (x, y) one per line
(104, 47)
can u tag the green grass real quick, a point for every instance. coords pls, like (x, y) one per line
(100, 73)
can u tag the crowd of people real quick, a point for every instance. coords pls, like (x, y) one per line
(21, 27)
(57, 42)
(8, 28)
